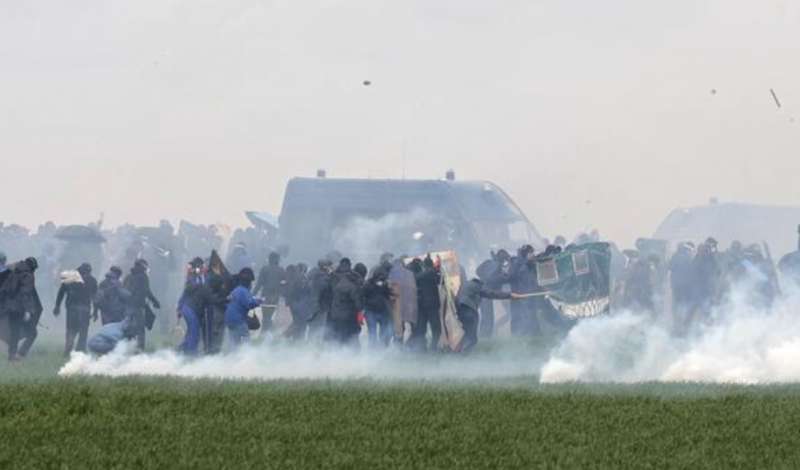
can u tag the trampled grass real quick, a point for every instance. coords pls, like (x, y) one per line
(47, 422)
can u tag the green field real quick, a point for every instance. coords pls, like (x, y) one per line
(47, 422)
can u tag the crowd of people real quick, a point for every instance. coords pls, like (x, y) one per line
(697, 278)
(397, 301)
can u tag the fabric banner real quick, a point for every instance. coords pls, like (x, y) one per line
(577, 280)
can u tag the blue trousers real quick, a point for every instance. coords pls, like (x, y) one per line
(191, 342)
(382, 320)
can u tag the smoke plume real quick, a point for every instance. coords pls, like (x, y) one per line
(302, 362)
(741, 343)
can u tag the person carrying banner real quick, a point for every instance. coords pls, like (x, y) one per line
(469, 300)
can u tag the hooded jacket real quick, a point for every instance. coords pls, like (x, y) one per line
(18, 291)
(110, 298)
(138, 284)
(320, 290)
(377, 294)
(241, 302)
(347, 296)
(428, 281)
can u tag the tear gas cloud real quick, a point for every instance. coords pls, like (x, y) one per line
(742, 344)
(308, 362)
(366, 238)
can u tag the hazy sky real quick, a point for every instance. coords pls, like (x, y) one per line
(589, 113)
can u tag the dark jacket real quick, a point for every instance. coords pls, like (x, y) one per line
(219, 288)
(472, 292)
(138, 284)
(321, 291)
(18, 290)
(494, 274)
(270, 283)
(377, 293)
(428, 281)
(680, 268)
(78, 294)
(110, 300)
(347, 295)
(522, 276)
(299, 298)
(196, 295)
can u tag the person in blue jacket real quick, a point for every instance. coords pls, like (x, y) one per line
(240, 303)
(107, 338)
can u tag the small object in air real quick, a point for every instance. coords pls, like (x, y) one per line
(367, 83)
(775, 97)
(713, 91)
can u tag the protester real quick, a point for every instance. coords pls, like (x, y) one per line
(523, 279)
(142, 298)
(346, 304)
(20, 302)
(80, 292)
(428, 279)
(405, 304)
(469, 300)
(109, 301)
(495, 273)
(219, 287)
(270, 285)
(107, 338)
(320, 293)
(241, 302)
(192, 305)
(377, 301)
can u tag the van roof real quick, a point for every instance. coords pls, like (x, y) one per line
(480, 200)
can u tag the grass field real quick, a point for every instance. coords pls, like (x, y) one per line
(47, 422)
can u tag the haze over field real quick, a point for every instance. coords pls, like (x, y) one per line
(590, 114)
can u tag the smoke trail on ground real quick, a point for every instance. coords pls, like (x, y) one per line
(307, 362)
(741, 344)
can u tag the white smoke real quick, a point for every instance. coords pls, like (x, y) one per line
(363, 237)
(274, 362)
(741, 344)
